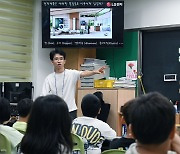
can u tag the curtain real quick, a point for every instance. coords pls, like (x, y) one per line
(16, 18)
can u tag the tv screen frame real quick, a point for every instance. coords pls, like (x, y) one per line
(85, 24)
(1, 90)
(15, 91)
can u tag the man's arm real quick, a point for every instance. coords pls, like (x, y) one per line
(90, 73)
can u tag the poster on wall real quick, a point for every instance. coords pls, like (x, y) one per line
(131, 70)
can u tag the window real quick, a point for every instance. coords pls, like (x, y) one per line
(16, 18)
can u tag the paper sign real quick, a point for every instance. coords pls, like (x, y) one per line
(131, 70)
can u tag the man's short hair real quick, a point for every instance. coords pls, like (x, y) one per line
(4, 110)
(24, 107)
(90, 105)
(57, 51)
(152, 118)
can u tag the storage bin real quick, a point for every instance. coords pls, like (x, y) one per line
(103, 83)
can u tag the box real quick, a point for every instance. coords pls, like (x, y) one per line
(103, 83)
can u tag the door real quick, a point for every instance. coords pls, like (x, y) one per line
(160, 56)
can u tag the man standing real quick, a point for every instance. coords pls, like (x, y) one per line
(62, 82)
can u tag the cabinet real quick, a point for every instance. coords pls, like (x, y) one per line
(115, 97)
(75, 56)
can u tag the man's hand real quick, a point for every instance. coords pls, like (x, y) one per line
(101, 70)
(89, 73)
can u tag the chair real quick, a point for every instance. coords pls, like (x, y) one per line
(114, 151)
(21, 131)
(78, 144)
(5, 145)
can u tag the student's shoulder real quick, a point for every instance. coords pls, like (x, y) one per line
(7, 129)
(101, 123)
(132, 149)
(81, 119)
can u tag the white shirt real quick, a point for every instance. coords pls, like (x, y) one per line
(94, 131)
(132, 150)
(64, 85)
(12, 135)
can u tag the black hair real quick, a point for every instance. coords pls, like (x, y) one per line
(24, 107)
(4, 110)
(126, 111)
(57, 51)
(152, 118)
(99, 94)
(48, 127)
(90, 105)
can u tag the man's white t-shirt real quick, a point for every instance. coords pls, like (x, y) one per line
(64, 85)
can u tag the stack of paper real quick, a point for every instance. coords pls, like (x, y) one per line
(124, 83)
(93, 64)
(93, 61)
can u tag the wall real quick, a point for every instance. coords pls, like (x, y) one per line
(138, 14)
(41, 63)
(117, 57)
(150, 13)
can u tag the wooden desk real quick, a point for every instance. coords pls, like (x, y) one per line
(178, 123)
(178, 129)
(115, 97)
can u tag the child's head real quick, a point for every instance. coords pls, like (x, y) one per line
(49, 113)
(126, 109)
(152, 118)
(49, 126)
(24, 107)
(90, 105)
(99, 94)
(4, 110)
(56, 51)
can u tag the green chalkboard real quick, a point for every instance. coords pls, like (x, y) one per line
(116, 57)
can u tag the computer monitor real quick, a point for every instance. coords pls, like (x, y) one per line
(15, 91)
(1, 85)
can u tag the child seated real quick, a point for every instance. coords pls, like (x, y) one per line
(24, 108)
(10, 133)
(89, 127)
(125, 141)
(49, 127)
(153, 125)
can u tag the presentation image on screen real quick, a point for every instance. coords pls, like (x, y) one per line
(92, 23)
(82, 24)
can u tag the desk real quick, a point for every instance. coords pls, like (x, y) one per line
(178, 129)
(178, 123)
